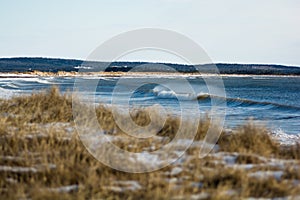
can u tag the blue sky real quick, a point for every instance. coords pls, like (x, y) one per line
(234, 31)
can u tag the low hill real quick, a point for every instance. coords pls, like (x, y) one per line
(69, 65)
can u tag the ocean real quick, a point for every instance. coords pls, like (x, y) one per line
(271, 101)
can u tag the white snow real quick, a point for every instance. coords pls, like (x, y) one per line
(18, 169)
(64, 189)
(122, 186)
(176, 171)
(266, 174)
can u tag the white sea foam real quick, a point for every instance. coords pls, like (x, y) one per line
(16, 75)
(36, 80)
(12, 85)
(82, 67)
(18, 80)
(285, 139)
(6, 93)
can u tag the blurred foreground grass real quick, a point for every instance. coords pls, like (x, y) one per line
(42, 157)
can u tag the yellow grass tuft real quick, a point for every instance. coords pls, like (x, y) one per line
(41, 157)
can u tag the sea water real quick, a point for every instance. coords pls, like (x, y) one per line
(273, 101)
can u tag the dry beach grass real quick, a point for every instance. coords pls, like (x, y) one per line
(42, 157)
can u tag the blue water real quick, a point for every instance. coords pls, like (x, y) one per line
(271, 101)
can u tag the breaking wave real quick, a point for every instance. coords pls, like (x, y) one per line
(238, 102)
(163, 92)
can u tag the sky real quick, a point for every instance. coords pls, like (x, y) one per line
(231, 31)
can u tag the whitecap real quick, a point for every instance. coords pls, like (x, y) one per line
(285, 139)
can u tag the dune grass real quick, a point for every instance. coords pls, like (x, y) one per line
(42, 157)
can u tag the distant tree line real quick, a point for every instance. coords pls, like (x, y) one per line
(71, 65)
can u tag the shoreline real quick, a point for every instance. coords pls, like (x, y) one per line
(127, 74)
